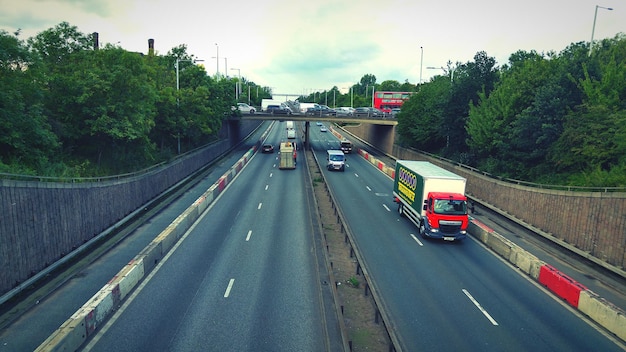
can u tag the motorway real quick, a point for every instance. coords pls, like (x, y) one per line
(247, 276)
(447, 296)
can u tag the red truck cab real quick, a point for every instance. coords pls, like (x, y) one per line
(445, 216)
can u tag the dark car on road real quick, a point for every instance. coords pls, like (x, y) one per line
(278, 110)
(321, 110)
(368, 112)
(267, 148)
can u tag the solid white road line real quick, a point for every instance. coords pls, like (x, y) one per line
(493, 321)
(417, 240)
(230, 286)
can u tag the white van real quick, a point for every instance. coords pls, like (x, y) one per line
(335, 160)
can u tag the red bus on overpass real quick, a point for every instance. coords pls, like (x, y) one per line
(386, 101)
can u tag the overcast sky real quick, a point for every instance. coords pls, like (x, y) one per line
(295, 46)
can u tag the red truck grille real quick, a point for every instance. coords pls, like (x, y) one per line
(452, 227)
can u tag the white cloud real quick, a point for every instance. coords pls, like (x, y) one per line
(296, 46)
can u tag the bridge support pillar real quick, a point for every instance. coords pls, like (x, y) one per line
(307, 144)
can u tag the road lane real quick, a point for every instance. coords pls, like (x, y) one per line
(273, 302)
(424, 287)
(48, 310)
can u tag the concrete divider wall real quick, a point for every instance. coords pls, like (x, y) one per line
(86, 321)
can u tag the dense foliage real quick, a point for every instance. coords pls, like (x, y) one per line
(70, 108)
(547, 118)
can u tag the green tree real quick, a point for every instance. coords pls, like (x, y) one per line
(593, 139)
(390, 85)
(469, 80)
(27, 143)
(120, 110)
(419, 122)
(490, 125)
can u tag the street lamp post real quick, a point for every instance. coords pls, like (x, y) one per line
(238, 85)
(421, 64)
(178, 61)
(593, 29)
(444, 70)
(217, 60)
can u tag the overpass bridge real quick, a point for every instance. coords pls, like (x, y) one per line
(382, 128)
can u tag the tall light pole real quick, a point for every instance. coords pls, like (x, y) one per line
(421, 64)
(238, 85)
(217, 60)
(351, 96)
(593, 29)
(178, 61)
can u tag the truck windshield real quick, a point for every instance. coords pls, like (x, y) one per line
(450, 207)
(335, 157)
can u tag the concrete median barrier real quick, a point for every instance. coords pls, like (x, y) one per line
(603, 312)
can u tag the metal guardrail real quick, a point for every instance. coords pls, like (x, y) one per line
(370, 286)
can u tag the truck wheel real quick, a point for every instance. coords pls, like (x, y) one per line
(400, 209)
(422, 230)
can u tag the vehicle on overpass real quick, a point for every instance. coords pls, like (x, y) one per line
(304, 106)
(267, 102)
(321, 110)
(368, 111)
(245, 108)
(387, 101)
(278, 110)
(432, 198)
(344, 111)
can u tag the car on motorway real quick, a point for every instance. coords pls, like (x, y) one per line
(267, 148)
(368, 112)
(321, 110)
(245, 108)
(323, 129)
(318, 123)
(278, 110)
(395, 112)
